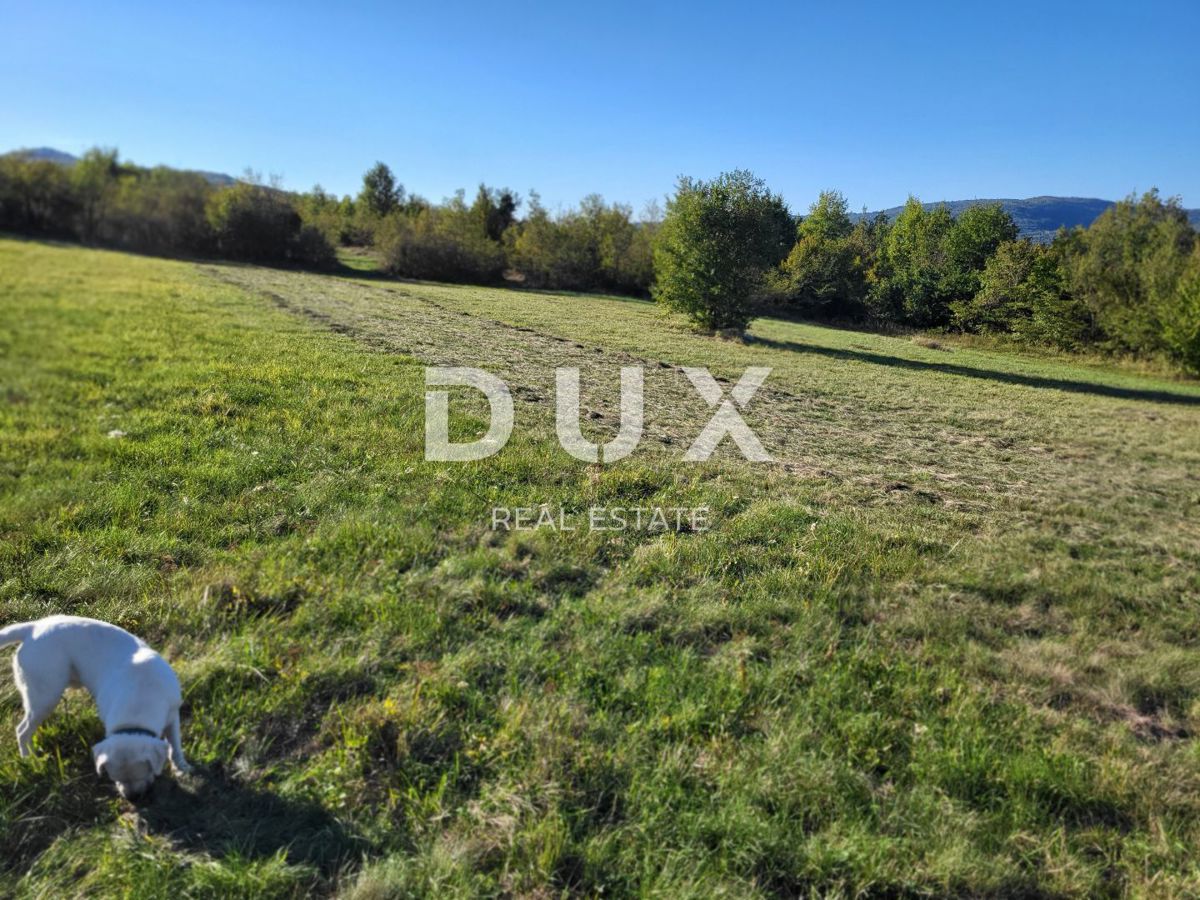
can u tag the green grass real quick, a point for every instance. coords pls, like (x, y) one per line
(944, 644)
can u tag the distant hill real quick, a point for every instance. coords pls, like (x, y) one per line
(1040, 217)
(66, 159)
(49, 154)
(220, 179)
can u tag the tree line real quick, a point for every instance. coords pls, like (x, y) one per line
(1128, 283)
(101, 200)
(725, 250)
(595, 246)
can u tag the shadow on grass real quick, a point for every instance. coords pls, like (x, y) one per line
(218, 816)
(1036, 381)
(40, 807)
(211, 814)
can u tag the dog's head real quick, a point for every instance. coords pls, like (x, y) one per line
(132, 761)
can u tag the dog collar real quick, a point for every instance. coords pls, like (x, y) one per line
(144, 732)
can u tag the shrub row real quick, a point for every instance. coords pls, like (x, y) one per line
(100, 200)
(1129, 283)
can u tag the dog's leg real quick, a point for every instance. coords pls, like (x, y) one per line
(175, 742)
(39, 701)
(26, 728)
(35, 715)
(25, 736)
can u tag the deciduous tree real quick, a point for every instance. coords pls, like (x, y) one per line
(716, 243)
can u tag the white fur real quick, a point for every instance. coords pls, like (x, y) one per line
(132, 685)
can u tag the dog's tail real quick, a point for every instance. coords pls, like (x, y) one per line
(15, 634)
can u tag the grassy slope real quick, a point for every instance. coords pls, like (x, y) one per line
(946, 643)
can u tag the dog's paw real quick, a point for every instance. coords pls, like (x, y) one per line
(185, 769)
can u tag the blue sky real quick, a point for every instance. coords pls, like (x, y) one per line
(951, 101)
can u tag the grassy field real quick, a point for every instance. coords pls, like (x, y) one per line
(946, 643)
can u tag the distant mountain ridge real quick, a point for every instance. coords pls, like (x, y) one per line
(1038, 217)
(49, 154)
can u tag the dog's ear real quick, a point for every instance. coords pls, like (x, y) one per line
(160, 756)
(100, 754)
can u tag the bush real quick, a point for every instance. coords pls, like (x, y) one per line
(257, 223)
(312, 248)
(1126, 266)
(1181, 317)
(824, 275)
(1058, 317)
(914, 289)
(716, 244)
(1007, 292)
(94, 179)
(439, 244)
(597, 247)
(36, 196)
(931, 262)
(334, 218)
(821, 278)
(1023, 291)
(160, 210)
(494, 211)
(976, 235)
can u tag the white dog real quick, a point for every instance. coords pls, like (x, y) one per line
(136, 693)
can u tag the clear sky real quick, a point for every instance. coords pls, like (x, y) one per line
(950, 101)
